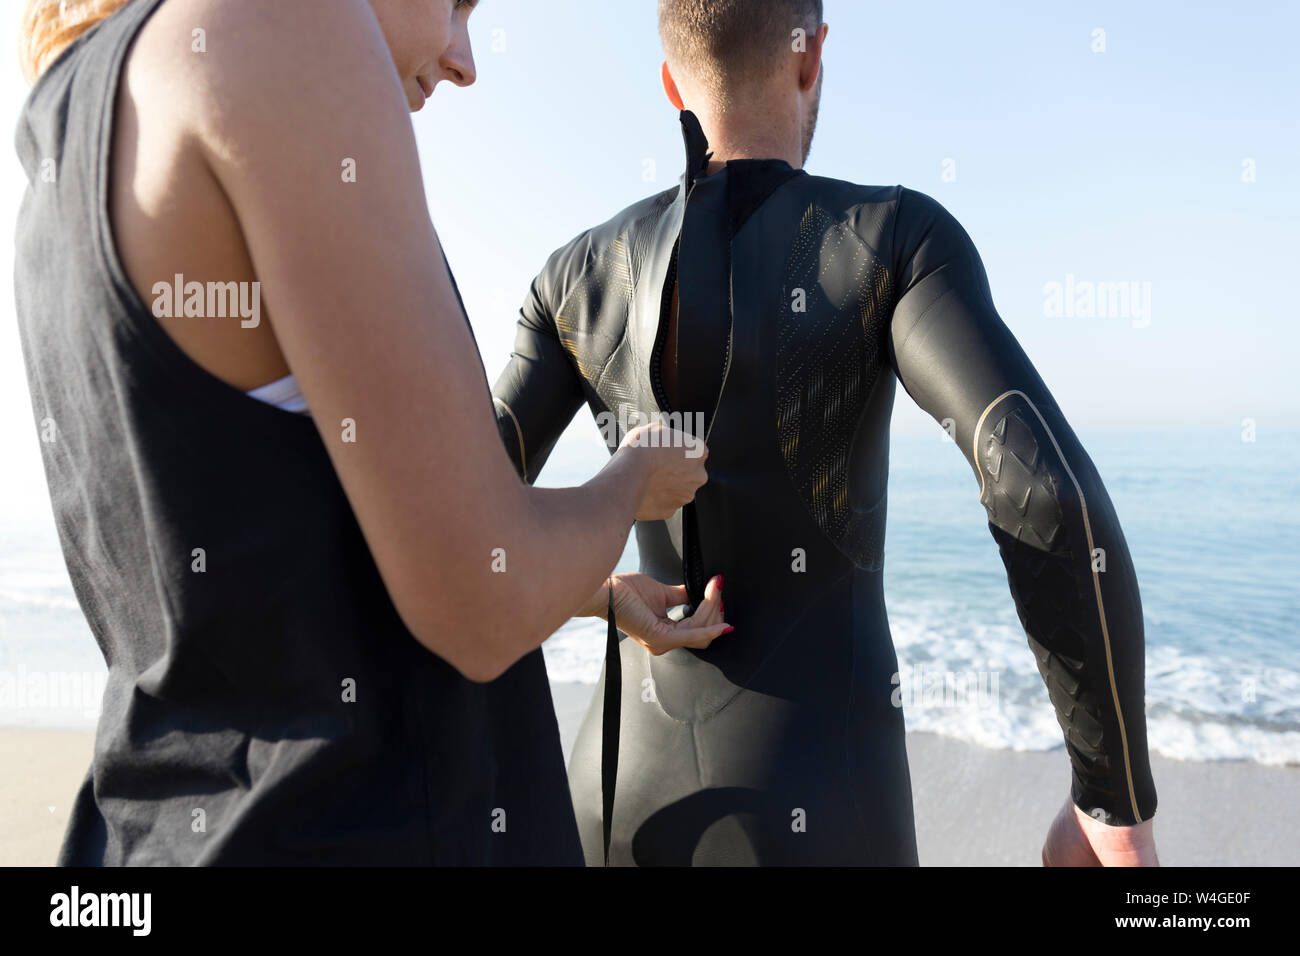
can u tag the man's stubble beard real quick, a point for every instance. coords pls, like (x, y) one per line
(810, 123)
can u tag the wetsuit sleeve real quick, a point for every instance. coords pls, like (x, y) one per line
(1067, 563)
(539, 391)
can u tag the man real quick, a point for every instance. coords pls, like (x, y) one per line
(779, 307)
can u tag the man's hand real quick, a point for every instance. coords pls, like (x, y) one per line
(672, 464)
(641, 607)
(1076, 839)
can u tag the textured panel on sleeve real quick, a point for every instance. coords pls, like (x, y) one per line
(1024, 491)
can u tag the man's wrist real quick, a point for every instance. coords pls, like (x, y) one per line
(1113, 829)
(1105, 805)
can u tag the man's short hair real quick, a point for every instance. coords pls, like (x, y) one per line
(723, 43)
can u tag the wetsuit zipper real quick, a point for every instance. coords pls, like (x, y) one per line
(692, 556)
(661, 335)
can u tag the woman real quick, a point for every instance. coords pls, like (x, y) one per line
(300, 612)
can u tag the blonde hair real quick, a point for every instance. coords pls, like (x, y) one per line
(49, 27)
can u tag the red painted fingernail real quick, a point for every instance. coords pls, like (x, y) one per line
(719, 582)
(728, 629)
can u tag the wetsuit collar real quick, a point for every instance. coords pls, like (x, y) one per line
(697, 148)
(698, 155)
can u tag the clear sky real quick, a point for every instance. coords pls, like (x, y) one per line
(1121, 166)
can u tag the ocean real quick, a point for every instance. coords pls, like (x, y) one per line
(1211, 521)
(1213, 525)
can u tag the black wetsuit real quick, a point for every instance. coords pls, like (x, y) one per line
(800, 300)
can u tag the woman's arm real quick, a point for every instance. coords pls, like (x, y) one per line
(352, 278)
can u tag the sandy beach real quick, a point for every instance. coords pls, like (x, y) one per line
(974, 807)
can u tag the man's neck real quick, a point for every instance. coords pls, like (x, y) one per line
(733, 140)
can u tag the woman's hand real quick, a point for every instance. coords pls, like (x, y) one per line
(1076, 839)
(641, 609)
(671, 463)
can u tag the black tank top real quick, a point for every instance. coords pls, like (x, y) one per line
(264, 704)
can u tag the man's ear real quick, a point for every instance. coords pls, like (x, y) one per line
(670, 87)
(812, 59)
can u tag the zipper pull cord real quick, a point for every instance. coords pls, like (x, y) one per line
(610, 722)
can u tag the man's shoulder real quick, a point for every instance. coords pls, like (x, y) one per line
(845, 194)
(850, 194)
(582, 251)
(642, 213)
(880, 215)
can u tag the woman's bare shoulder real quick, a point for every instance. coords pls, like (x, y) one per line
(226, 67)
(224, 110)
